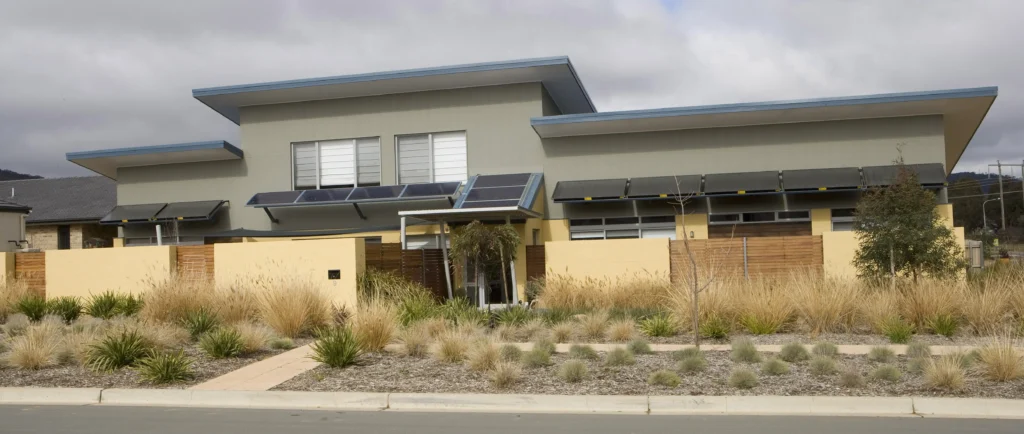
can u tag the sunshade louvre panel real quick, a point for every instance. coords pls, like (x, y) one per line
(740, 183)
(274, 198)
(435, 189)
(590, 190)
(928, 174)
(502, 180)
(333, 196)
(199, 210)
(664, 186)
(821, 179)
(327, 195)
(133, 213)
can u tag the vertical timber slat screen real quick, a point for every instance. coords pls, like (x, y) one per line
(423, 266)
(195, 260)
(31, 269)
(535, 265)
(766, 256)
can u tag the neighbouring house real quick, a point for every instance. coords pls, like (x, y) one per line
(398, 156)
(65, 212)
(12, 227)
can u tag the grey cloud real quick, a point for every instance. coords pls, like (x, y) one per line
(87, 75)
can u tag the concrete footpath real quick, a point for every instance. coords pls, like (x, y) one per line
(525, 404)
(264, 374)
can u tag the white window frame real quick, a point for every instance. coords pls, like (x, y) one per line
(843, 221)
(742, 221)
(601, 231)
(316, 147)
(430, 154)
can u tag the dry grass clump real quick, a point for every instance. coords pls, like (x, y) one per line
(38, 348)
(825, 349)
(11, 292)
(594, 325)
(929, 299)
(763, 306)
(562, 332)
(451, 347)
(237, 304)
(945, 373)
(572, 371)
(877, 307)
(1000, 361)
(511, 353)
(851, 379)
(664, 378)
(881, 354)
(622, 330)
(640, 290)
(918, 350)
(292, 306)
(823, 305)
(983, 308)
(534, 328)
(774, 366)
(794, 352)
(483, 356)
(743, 378)
(506, 374)
(582, 352)
(887, 373)
(822, 366)
(434, 326)
(374, 325)
(415, 340)
(619, 357)
(506, 333)
(744, 350)
(16, 324)
(715, 304)
(255, 337)
(171, 300)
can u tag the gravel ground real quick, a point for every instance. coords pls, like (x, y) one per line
(205, 368)
(396, 373)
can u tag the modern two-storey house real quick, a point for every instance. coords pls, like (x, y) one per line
(394, 156)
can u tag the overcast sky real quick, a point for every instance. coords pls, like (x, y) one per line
(80, 75)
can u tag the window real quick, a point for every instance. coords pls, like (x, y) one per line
(760, 217)
(436, 157)
(622, 228)
(336, 163)
(63, 237)
(842, 220)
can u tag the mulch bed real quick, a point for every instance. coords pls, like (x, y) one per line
(396, 373)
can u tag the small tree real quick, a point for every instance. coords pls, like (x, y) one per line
(486, 245)
(901, 232)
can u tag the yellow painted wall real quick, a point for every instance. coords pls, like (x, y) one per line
(838, 250)
(305, 259)
(84, 272)
(118, 242)
(946, 211)
(554, 230)
(821, 221)
(385, 236)
(607, 258)
(6, 266)
(696, 223)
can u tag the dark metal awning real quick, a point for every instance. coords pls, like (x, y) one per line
(821, 179)
(663, 186)
(928, 174)
(122, 214)
(160, 212)
(589, 190)
(741, 183)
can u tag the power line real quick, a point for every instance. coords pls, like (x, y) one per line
(980, 195)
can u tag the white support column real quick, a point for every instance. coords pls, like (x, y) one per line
(447, 268)
(159, 237)
(512, 270)
(403, 233)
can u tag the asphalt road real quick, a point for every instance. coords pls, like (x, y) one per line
(135, 420)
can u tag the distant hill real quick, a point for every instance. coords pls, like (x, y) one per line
(10, 175)
(954, 177)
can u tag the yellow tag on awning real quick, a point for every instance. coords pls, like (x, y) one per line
(588, 198)
(822, 188)
(741, 192)
(663, 195)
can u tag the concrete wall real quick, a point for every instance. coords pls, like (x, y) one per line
(238, 262)
(608, 258)
(851, 143)
(6, 266)
(85, 272)
(10, 229)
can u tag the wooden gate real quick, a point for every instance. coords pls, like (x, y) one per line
(31, 269)
(756, 256)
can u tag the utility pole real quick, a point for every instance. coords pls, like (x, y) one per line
(999, 167)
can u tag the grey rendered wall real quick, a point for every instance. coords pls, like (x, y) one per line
(496, 121)
(10, 230)
(722, 150)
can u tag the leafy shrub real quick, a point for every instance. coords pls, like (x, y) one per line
(744, 350)
(254, 337)
(660, 325)
(16, 324)
(622, 330)
(555, 316)
(825, 349)
(664, 378)
(594, 325)
(514, 316)
(511, 353)
(692, 364)
(774, 366)
(222, 343)
(714, 327)
(506, 374)
(451, 347)
(415, 340)
(794, 352)
(544, 345)
(336, 347)
(822, 366)
(944, 324)
(917, 365)
(460, 311)
(851, 379)
(200, 322)
(562, 332)
(639, 346)
(1000, 361)
(743, 378)
(887, 373)
(32, 306)
(482, 356)
(881, 355)
(619, 357)
(118, 350)
(897, 330)
(128, 305)
(582, 352)
(165, 368)
(685, 353)
(38, 347)
(67, 307)
(416, 307)
(282, 344)
(572, 371)
(536, 358)
(946, 373)
(374, 325)
(103, 305)
(918, 349)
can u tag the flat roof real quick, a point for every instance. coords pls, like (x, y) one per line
(106, 161)
(963, 110)
(556, 74)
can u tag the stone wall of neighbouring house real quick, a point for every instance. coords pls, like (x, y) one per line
(95, 235)
(44, 237)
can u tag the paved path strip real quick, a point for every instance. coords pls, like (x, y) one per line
(264, 374)
(526, 404)
(664, 348)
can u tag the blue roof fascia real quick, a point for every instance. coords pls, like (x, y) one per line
(157, 149)
(991, 91)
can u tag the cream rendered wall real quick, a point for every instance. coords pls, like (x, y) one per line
(84, 272)
(821, 221)
(608, 258)
(308, 259)
(695, 223)
(6, 266)
(554, 230)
